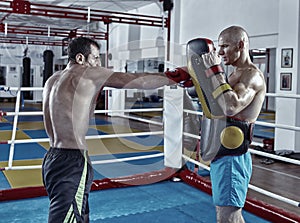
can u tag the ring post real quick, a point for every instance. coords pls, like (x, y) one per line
(14, 130)
(173, 126)
(115, 101)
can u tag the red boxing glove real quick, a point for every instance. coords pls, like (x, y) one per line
(189, 83)
(181, 76)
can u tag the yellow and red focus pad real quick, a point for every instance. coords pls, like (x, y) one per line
(201, 80)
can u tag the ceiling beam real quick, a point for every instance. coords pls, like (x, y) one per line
(55, 11)
(31, 41)
(51, 32)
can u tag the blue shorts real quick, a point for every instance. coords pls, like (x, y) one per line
(230, 176)
(67, 176)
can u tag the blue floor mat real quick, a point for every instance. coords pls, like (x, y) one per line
(22, 151)
(36, 134)
(148, 140)
(113, 170)
(97, 121)
(35, 118)
(171, 202)
(263, 132)
(5, 126)
(4, 184)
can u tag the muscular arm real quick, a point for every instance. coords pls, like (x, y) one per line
(245, 91)
(105, 77)
(138, 80)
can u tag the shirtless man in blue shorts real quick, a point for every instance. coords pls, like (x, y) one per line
(69, 98)
(230, 174)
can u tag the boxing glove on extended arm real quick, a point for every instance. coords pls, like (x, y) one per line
(181, 76)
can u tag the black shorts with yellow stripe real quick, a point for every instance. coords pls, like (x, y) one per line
(67, 176)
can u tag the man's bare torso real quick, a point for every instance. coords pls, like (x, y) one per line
(70, 104)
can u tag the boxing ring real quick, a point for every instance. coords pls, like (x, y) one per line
(160, 175)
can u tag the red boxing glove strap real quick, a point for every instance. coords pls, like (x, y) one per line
(216, 69)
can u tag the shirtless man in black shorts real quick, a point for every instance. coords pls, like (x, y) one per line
(68, 103)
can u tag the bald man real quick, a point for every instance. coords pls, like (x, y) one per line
(230, 174)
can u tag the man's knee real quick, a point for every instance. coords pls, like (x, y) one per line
(229, 214)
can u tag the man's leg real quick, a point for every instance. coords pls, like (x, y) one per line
(229, 214)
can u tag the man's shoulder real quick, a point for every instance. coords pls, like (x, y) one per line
(254, 68)
(53, 78)
(251, 70)
(255, 77)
